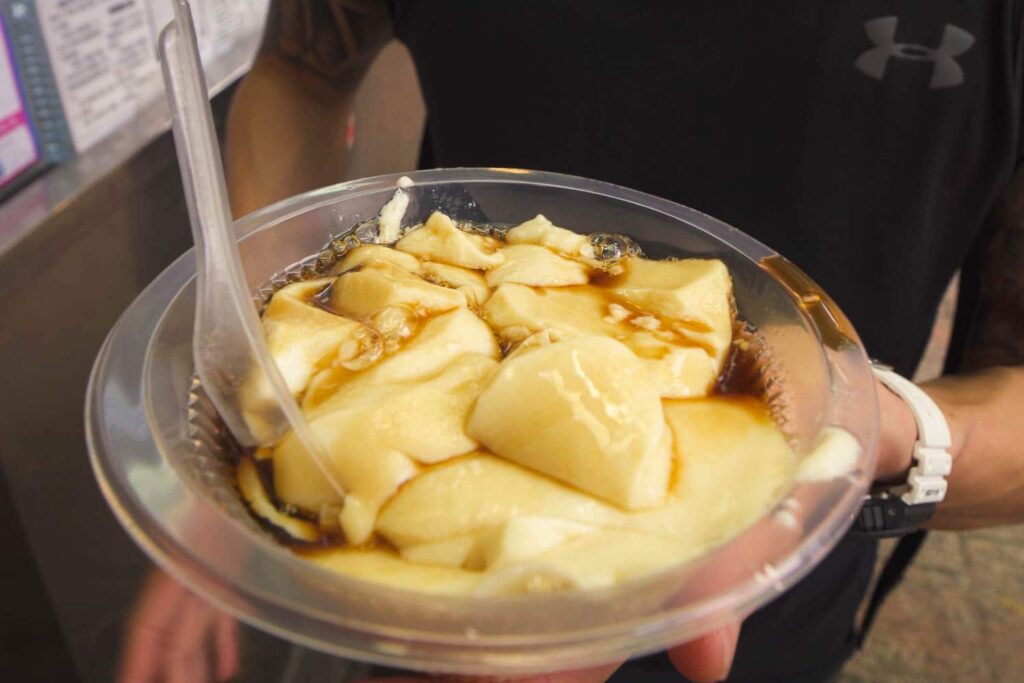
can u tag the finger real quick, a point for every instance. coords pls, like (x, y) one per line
(708, 658)
(145, 639)
(226, 646)
(140, 659)
(187, 656)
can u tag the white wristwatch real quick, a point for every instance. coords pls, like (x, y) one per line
(896, 510)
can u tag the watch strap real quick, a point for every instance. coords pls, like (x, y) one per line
(883, 515)
(932, 461)
(898, 510)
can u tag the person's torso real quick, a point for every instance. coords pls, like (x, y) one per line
(866, 141)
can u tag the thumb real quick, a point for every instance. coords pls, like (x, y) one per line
(708, 658)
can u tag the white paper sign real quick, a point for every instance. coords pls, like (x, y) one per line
(104, 53)
(104, 62)
(220, 24)
(228, 21)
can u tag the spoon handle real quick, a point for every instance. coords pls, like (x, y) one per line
(231, 355)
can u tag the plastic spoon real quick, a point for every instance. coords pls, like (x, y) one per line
(228, 342)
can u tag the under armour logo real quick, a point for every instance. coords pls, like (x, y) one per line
(946, 72)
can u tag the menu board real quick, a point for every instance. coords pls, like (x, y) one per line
(18, 150)
(220, 24)
(103, 62)
(103, 53)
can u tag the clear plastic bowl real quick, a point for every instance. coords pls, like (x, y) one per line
(170, 487)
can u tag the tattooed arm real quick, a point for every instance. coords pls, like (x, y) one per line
(985, 405)
(286, 126)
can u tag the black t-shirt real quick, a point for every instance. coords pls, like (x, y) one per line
(866, 141)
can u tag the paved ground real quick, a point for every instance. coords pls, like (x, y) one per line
(959, 614)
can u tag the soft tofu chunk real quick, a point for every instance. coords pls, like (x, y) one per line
(527, 264)
(469, 282)
(440, 240)
(300, 336)
(680, 369)
(378, 566)
(542, 232)
(376, 436)
(695, 294)
(375, 253)
(361, 293)
(592, 418)
(481, 492)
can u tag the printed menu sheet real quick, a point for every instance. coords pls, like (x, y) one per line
(18, 149)
(103, 61)
(104, 53)
(220, 24)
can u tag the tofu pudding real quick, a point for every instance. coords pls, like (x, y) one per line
(523, 411)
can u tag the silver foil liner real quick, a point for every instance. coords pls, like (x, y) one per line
(210, 465)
